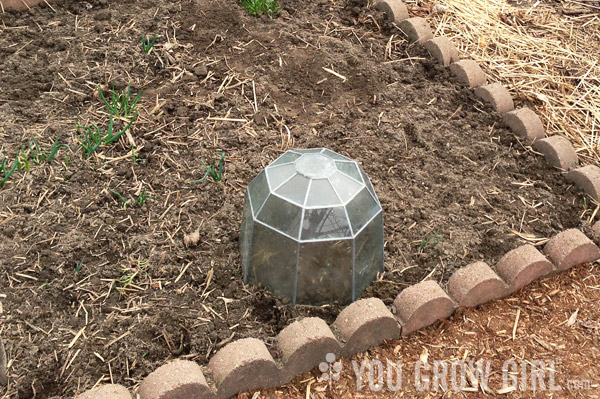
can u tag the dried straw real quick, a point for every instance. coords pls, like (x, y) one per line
(546, 55)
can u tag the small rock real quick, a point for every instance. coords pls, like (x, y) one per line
(102, 15)
(201, 71)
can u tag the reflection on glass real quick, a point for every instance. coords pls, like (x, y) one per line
(279, 174)
(335, 155)
(258, 190)
(361, 209)
(368, 183)
(308, 150)
(294, 189)
(325, 272)
(349, 169)
(322, 194)
(287, 157)
(345, 186)
(323, 223)
(273, 261)
(368, 254)
(281, 215)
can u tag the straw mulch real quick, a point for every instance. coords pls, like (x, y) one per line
(545, 53)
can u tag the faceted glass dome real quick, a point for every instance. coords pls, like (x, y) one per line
(312, 229)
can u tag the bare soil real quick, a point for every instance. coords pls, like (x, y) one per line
(92, 291)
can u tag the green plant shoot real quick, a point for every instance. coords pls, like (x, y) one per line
(215, 173)
(142, 198)
(6, 174)
(120, 104)
(120, 197)
(426, 241)
(148, 44)
(260, 7)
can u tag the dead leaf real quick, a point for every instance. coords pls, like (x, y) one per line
(191, 239)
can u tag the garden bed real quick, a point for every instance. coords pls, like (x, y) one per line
(94, 290)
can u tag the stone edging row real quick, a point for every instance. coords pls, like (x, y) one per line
(247, 364)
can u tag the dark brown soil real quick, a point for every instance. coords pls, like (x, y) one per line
(439, 161)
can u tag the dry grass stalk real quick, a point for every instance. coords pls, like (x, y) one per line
(546, 58)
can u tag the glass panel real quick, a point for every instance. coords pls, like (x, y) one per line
(273, 261)
(335, 155)
(295, 189)
(315, 166)
(325, 223)
(368, 255)
(279, 174)
(281, 215)
(308, 150)
(368, 183)
(349, 169)
(258, 190)
(287, 157)
(246, 234)
(360, 210)
(322, 194)
(325, 272)
(346, 187)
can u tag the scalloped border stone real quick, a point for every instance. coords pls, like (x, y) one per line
(571, 248)
(364, 324)
(497, 96)
(417, 29)
(110, 391)
(421, 305)
(442, 49)
(176, 379)
(468, 73)
(525, 123)
(305, 343)
(522, 266)
(587, 178)
(21, 5)
(395, 10)
(558, 151)
(475, 284)
(243, 365)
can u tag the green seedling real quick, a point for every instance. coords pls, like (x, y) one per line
(120, 197)
(148, 44)
(38, 155)
(54, 150)
(142, 198)
(127, 278)
(24, 160)
(260, 7)
(7, 173)
(110, 136)
(35, 152)
(120, 104)
(215, 173)
(134, 158)
(79, 265)
(130, 273)
(93, 137)
(426, 241)
(91, 140)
